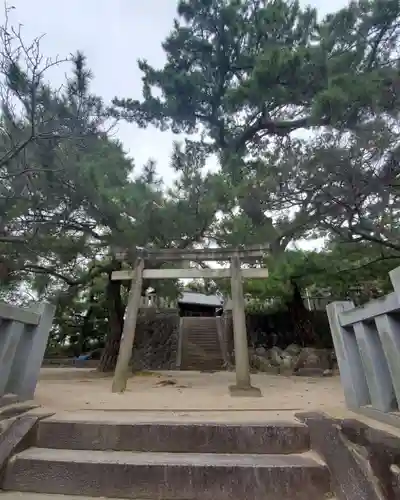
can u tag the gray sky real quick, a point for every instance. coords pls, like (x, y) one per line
(113, 35)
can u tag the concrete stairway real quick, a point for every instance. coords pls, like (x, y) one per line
(200, 345)
(168, 461)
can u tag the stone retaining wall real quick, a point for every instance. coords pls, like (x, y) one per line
(156, 340)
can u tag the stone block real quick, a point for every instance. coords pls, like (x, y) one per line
(272, 438)
(244, 392)
(350, 471)
(176, 476)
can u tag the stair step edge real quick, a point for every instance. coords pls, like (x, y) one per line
(72, 418)
(306, 459)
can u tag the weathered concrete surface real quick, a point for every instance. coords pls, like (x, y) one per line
(348, 356)
(358, 471)
(16, 435)
(167, 475)
(382, 452)
(274, 437)
(8, 399)
(14, 409)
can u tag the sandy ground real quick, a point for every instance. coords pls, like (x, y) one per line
(193, 395)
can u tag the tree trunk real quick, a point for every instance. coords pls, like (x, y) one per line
(302, 322)
(86, 329)
(116, 311)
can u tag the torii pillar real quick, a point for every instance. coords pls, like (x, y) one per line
(243, 385)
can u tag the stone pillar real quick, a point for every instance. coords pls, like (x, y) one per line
(375, 366)
(243, 385)
(128, 334)
(389, 333)
(395, 279)
(351, 370)
(9, 340)
(29, 354)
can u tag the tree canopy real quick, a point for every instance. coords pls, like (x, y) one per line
(245, 75)
(302, 114)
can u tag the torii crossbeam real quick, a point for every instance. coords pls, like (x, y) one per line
(243, 385)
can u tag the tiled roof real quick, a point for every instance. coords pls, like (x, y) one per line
(200, 299)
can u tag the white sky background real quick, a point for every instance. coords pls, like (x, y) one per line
(113, 35)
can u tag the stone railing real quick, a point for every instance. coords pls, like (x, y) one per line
(23, 339)
(367, 345)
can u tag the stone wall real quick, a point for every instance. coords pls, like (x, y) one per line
(156, 339)
(274, 346)
(278, 329)
(363, 461)
(294, 360)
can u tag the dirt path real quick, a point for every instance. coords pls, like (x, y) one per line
(191, 394)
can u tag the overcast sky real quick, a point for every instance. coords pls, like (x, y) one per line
(113, 34)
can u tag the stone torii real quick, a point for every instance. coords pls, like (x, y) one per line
(136, 275)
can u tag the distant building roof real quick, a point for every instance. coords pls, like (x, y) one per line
(201, 299)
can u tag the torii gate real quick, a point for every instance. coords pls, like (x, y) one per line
(243, 385)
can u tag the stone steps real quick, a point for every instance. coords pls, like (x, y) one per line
(118, 459)
(18, 495)
(197, 344)
(172, 476)
(200, 348)
(194, 320)
(253, 438)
